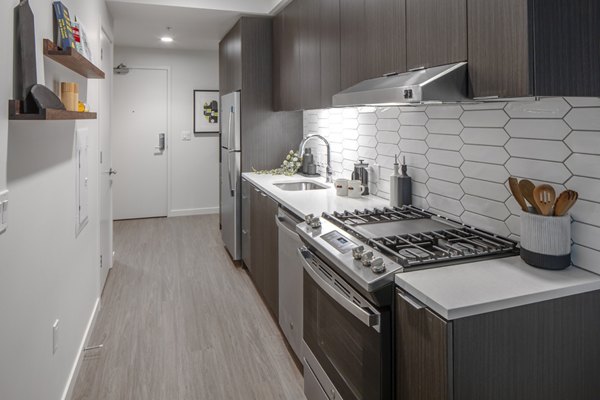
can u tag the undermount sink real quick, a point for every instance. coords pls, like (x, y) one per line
(298, 186)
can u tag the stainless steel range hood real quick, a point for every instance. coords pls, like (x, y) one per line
(443, 84)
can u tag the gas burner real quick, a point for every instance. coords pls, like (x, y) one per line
(424, 248)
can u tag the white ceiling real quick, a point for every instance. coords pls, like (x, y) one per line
(196, 24)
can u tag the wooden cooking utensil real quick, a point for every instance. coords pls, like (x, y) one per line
(545, 197)
(565, 201)
(516, 191)
(527, 188)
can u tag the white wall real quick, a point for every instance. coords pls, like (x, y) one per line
(46, 272)
(194, 165)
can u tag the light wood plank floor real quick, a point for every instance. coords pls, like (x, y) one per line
(180, 321)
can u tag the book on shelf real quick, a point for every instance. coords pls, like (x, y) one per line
(81, 42)
(63, 28)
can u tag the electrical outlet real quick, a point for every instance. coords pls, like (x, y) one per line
(55, 337)
(186, 136)
(3, 210)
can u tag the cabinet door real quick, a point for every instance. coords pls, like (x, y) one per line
(498, 48)
(436, 32)
(291, 97)
(310, 53)
(421, 352)
(277, 60)
(256, 267)
(271, 254)
(330, 51)
(230, 61)
(246, 223)
(373, 39)
(567, 53)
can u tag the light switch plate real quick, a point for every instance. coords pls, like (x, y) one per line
(186, 136)
(3, 210)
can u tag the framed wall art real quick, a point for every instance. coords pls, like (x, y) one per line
(206, 111)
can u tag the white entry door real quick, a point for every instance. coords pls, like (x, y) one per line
(106, 171)
(139, 143)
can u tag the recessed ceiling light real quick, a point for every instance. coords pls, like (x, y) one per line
(166, 39)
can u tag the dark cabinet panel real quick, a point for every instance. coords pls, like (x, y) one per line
(373, 39)
(436, 32)
(247, 223)
(291, 96)
(270, 241)
(498, 47)
(264, 267)
(353, 42)
(385, 48)
(309, 40)
(330, 50)
(567, 52)
(230, 61)
(278, 31)
(422, 344)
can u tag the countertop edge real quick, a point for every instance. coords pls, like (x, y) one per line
(498, 305)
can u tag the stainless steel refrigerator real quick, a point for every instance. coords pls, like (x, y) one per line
(231, 221)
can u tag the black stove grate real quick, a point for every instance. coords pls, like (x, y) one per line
(376, 215)
(411, 250)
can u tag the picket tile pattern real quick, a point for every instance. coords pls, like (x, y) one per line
(460, 157)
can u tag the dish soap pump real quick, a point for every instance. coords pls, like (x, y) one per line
(400, 185)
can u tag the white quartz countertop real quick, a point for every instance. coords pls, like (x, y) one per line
(464, 290)
(307, 202)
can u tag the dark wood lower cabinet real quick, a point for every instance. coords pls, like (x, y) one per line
(422, 352)
(264, 268)
(543, 351)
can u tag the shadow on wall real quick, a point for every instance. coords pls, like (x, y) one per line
(37, 146)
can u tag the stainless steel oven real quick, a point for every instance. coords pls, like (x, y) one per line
(346, 339)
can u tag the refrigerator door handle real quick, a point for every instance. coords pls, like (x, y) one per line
(229, 173)
(230, 145)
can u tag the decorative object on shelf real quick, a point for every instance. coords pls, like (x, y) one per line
(25, 73)
(69, 94)
(545, 225)
(45, 98)
(63, 28)
(289, 167)
(206, 111)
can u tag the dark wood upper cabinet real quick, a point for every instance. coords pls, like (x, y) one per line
(498, 43)
(567, 51)
(291, 96)
(278, 31)
(230, 60)
(310, 53)
(373, 39)
(436, 32)
(330, 50)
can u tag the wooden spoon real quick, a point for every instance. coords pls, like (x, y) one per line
(565, 201)
(527, 188)
(545, 197)
(516, 191)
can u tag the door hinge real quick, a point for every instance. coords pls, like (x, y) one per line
(102, 54)
(100, 261)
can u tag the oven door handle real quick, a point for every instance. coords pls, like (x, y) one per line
(369, 318)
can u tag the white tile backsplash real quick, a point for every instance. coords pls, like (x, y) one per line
(460, 157)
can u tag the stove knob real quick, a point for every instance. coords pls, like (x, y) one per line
(377, 265)
(312, 221)
(367, 258)
(357, 252)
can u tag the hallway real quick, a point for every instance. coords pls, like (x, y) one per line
(180, 321)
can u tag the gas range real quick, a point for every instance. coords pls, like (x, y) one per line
(369, 246)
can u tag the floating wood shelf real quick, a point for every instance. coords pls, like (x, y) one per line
(49, 114)
(71, 59)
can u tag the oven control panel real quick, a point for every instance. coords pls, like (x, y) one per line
(339, 241)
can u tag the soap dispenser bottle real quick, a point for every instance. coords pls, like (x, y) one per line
(394, 183)
(400, 185)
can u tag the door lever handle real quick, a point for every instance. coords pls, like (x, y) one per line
(111, 172)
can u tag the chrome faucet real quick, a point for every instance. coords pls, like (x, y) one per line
(329, 170)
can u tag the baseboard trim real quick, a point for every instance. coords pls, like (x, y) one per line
(68, 392)
(194, 211)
